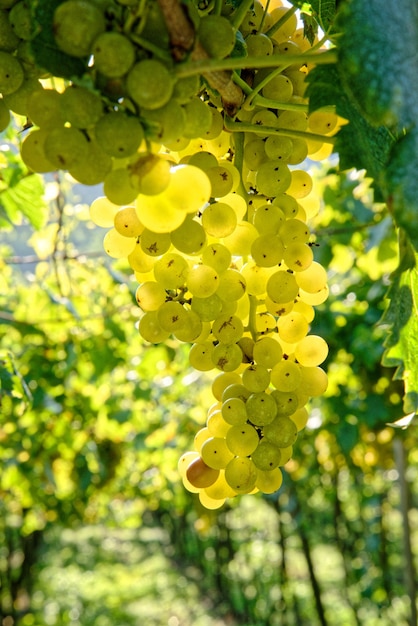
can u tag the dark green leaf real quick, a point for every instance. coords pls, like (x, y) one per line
(323, 11)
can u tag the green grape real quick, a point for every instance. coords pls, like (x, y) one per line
(216, 127)
(218, 256)
(267, 250)
(287, 204)
(8, 38)
(267, 352)
(292, 327)
(210, 503)
(222, 381)
(158, 214)
(227, 329)
(313, 279)
(286, 402)
(286, 376)
(300, 417)
(261, 118)
(117, 187)
(282, 286)
(76, 25)
(242, 440)
(200, 356)
(116, 245)
(216, 453)
(185, 88)
(294, 120)
(202, 281)
(236, 390)
(281, 432)
(219, 490)
(198, 189)
(189, 238)
(294, 231)
(316, 298)
(241, 474)
(278, 88)
(298, 256)
(217, 35)
(126, 222)
(269, 481)
(258, 44)
(255, 278)
(18, 100)
(219, 219)
(256, 378)
(150, 329)
(278, 147)
(171, 316)
(119, 135)
(80, 106)
(273, 178)
(266, 456)
(192, 329)
(265, 323)
(301, 184)
(150, 84)
(94, 168)
(11, 73)
(216, 424)
(33, 154)
(208, 308)
(44, 108)
(234, 411)
(20, 19)
(223, 179)
(204, 160)
(200, 475)
(150, 174)
(236, 202)
(4, 116)
(165, 124)
(198, 118)
(311, 351)
(139, 261)
(150, 296)
(278, 309)
(261, 408)
(299, 151)
(154, 244)
(255, 153)
(227, 357)
(65, 147)
(171, 270)
(288, 27)
(102, 212)
(114, 54)
(231, 285)
(322, 123)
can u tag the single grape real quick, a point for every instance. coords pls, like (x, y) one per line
(150, 296)
(172, 316)
(282, 286)
(267, 250)
(126, 222)
(242, 440)
(102, 212)
(273, 178)
(218, 256)
(20, 19)
(267, 352)
(33, 153)
(198, 118)
(266, 456)
(65, 147)
(150, 84)
(227, 357)
(116, 245)
(227, 329)
(119, 134)
(192, 330)
(219, 219)
(114, 54)
(286, 376)
(293, 327)
(286, 402)
(76, 25)
(80, 106)
(200, 475)
(217, 35)
(150, 329)
(94, 168)
(44, 108)
(261, 408)
(241, 474)
(256, 378)
(231, 285)
(216, 424)
(171, 270)
(11, 73)
(269, 481)
(215, 453)
(202, 281)
(189, 238)
(200, 356)
(298, 256)
(311, 351)
(234, 411)
(281, 432)
(154, 244)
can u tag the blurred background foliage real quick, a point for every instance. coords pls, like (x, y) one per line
(95, 526)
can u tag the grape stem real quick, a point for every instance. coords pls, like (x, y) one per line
(270, 32)
(269, 130)
(240, 13)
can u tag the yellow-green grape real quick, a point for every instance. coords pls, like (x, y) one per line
(316, 298)
(11, 73)
(65, 147)
(204, 160)
(165, 124)
(227, 328)
(267, 250)
(76, 25)
(307, 310)
(240, 241)
(267, 352)
(200, 356)
(126, 222)
(20, 19)
(185, 460)
(268, 218)
(287, 454)
(219, 219)
(150, 296)
(33, 153)
(255, 153)
(269, 481)
(201, 436)
(208, 502)
(185, 88)
(278, 147)
(94, 168)
(282, 286)
(300, 185)
(198, 118)
(154, 244)
(256, 378)
(261, 408)
(242, 440)
(286, 376)
(171, 270)
(296, 120)
(218, 256)
(215, 131)
(18, 100)
(266, 456)
(114, 54)
(44, 108)
(236, 390)
(265, 323)
(217, 35)
(80, 106)
(208, 308)
(313, 279)
(256, 278)
(279, 88)
(219, 490)
(4, 116)
(215, 453)
(150, 174)
(192, 329)
(189, 238)
(8, 38)
(198, 188)
(150, 84)
(241, 474)
(150, 329)
(273, 178)
(202, 281)
(300, 417)
(222, 381)
(227, 357)
(246, 344)
(292, 327)
(288, 23)
(311, 351)
(322, 123)
(119, 134)
(281, 432)
(216, 424)
(286, 402)
(298, 256)
(258, 44)
(287, 204)
(116, 245)
(223, 179)
(299, 153)
(102, 212)
(171, 316)
(139, 261)
(231, 285)
(278, 309)
(234, 411)
(118, 188)
(157, 212)
(200, 475)
(263, 117)
(294, 231)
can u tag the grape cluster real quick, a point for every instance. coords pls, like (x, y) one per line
(205, 193)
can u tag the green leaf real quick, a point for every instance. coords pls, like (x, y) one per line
(401, 344)
(323, 11)
(378, 59)
(26, 198)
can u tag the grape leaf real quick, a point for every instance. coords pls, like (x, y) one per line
(25, 197)
(378, 59)
(322, 10)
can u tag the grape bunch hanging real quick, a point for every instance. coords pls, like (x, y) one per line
(193, 116)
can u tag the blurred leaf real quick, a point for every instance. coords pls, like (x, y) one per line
(24, 196)
(323, 11)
